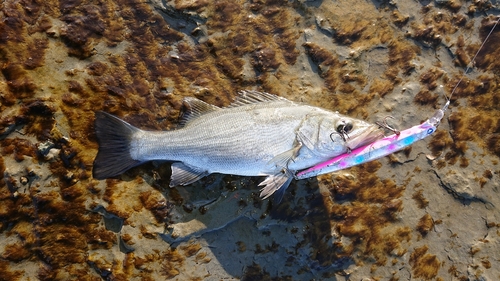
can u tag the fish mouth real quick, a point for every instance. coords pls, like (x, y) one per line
(367, 136)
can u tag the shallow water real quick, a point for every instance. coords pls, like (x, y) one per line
(428, 212)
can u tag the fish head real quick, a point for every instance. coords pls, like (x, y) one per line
(340, 134)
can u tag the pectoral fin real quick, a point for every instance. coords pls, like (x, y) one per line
(276, 184)
(281, 160)
(183, 174)
(307, 135)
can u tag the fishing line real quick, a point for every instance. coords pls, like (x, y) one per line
(471, 63)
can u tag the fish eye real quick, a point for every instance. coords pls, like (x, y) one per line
(348, 127)
(344, 128)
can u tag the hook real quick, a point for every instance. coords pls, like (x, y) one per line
(343, 138)
(341, 135)
(387, 126)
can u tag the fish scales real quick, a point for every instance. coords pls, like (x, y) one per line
(220, 140)
(259, 134)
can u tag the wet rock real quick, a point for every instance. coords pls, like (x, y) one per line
(407, 216)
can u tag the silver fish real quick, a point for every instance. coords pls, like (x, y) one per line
(258, 135)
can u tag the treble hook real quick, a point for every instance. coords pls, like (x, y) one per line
(387, 126)
(340, 134)
(343, 138)
(344, 132)
(341, 130)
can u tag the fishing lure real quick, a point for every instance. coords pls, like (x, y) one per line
(377, 149)
(387, 145)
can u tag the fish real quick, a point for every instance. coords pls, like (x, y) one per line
(259, 134)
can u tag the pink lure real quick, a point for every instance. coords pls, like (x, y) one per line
(377, 149)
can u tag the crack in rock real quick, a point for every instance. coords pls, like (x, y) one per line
(460, 188)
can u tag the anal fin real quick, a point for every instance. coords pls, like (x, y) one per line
(183, 174)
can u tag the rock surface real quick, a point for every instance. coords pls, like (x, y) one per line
(428, 212)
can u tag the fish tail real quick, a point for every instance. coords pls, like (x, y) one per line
(114, 136)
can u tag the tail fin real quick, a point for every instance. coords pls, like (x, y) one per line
(113, 135)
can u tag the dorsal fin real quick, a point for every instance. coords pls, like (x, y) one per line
(247, 97)
(194, 109)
